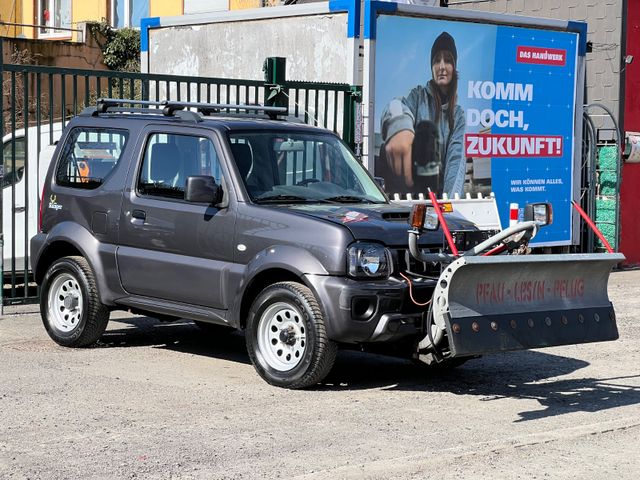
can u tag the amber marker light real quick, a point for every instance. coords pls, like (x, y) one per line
(418, 213)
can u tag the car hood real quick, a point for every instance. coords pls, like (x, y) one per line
(383, 222)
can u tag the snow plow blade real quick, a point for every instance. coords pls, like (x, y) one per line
(519, 302)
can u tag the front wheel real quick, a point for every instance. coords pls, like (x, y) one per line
(286, 337)
(69, 304)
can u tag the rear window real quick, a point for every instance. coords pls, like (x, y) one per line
(89, 155)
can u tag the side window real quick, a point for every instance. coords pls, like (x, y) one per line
(170, 158)
(10, 175)
(89, 155)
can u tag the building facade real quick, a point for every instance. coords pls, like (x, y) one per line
(59, 19)
(605, 34)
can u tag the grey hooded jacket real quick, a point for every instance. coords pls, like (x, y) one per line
(406, 112)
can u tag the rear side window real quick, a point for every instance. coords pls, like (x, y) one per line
(89, 155)
(170, 158)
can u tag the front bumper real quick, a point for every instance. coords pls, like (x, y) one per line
(370, 311)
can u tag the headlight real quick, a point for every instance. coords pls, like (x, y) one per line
(368, 260)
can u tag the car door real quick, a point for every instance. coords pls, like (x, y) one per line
(169, 248)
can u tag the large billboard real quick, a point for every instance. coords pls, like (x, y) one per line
(467, 107)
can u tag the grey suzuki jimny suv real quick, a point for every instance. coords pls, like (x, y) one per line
(176, 210)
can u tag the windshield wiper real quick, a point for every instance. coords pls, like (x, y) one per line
(347, 199)
(281, 199)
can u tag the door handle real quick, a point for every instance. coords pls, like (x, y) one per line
(19, 209)
(138, 216)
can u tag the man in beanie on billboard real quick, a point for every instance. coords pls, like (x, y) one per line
(423, 132)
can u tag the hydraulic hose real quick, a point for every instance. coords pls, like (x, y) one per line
(426, 257)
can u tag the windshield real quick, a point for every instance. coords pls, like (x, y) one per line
(292, 167)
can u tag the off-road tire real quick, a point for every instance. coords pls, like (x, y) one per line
(317, 352)
(68, 276)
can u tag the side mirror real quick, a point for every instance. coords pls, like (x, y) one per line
(423, 218)
(380, 182)
(202, 189)
(541, 213)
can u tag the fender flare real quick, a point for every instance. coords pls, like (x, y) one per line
(295, 260)
(100, 259)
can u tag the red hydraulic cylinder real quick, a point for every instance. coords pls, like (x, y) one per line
(445, 228)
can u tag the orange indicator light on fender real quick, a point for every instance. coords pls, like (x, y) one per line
(418, 213)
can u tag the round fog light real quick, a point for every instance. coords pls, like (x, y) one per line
(363, 308)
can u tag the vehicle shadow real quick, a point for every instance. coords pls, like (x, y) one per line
(180, 336)
(518, 375)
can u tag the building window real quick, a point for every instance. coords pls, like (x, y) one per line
(53, 15)
(128, 13)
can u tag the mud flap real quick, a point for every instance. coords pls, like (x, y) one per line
(518, 302)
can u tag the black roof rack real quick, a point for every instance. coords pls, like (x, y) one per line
(177, 108)
(104, 104)
(211, 108)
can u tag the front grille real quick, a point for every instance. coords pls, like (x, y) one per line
(405, 262)
(466, 239)
(463, 239)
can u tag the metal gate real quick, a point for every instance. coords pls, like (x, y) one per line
(43, 99)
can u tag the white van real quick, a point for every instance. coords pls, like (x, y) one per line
(17, 197)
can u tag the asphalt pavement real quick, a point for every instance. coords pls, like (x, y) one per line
(163, 400)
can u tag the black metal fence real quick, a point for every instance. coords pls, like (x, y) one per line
(37, 102)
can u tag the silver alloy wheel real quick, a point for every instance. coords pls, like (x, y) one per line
(282, 338)
(65, 303)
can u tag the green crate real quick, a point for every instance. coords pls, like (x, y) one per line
(608, 158)
(608, 183)
(606, 219)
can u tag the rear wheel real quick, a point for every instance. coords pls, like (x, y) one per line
(286, 337)
(69, 304)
